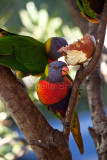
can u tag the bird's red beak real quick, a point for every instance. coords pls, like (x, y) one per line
(62, 50)
(65, 70)
(64, 53)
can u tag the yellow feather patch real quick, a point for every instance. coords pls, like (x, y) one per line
(20, 74)
(48, 45)
(46, 70)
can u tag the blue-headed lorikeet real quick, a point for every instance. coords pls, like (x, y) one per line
(91, 9)
(54, 90)
(27, 54)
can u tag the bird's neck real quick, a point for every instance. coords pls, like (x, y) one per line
(53, 80)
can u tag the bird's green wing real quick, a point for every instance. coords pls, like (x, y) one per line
(10, 62)
(7, 56)
(32, 54)
(6, 47)
(25, 51)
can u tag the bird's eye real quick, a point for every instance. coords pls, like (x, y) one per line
(55, 67)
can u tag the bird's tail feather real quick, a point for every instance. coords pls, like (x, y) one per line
(11, 62)
(75, 129)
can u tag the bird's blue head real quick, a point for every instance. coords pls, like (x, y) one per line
(53, 45)
(56, 71)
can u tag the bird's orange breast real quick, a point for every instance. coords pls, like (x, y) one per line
(51, 93)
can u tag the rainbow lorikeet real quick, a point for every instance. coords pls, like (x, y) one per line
(54, 90)
(27, 54)
(91, 9)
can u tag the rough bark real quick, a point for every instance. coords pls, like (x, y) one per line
(103, 63)
(94, 85)
(47, 142)
(98, 114)
(83, 72)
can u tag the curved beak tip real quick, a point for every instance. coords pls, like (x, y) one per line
(65, 70)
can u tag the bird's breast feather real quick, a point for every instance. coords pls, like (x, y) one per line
(51, 93)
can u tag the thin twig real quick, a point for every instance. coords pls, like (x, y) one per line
(83, 72)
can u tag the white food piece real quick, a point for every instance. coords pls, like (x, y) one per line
(75, 57)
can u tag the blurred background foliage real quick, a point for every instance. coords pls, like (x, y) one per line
(41, 20)
(11, 145)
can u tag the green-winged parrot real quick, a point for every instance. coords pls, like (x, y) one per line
(91, 9)
(26, 54)
(54, 90)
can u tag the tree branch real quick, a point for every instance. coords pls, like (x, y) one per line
(98, 114)
(83, 72)
(40, 145)
(103, 64)
(94, 85)
(30, 121)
